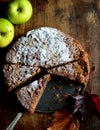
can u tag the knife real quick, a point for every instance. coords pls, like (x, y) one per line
(14, 122)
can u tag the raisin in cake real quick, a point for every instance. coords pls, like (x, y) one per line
(29, 95)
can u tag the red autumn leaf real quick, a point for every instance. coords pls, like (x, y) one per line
(96, 100)
(64, 120)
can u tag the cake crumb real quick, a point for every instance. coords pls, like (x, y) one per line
(78, 89)
(70, 84)
(59, 101)
(56, 95)
(65, 95)
(58, 87)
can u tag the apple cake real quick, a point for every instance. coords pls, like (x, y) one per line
(46, 49)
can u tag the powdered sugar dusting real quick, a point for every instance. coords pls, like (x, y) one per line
(33, 86)
(50, 47)
(44, 47)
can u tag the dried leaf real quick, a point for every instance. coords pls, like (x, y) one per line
(80, 107)
(85, 104)
(64, 120)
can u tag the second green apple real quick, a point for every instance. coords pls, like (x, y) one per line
(19, 11)
(6, 32)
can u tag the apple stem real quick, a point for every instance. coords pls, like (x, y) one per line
(1, 34)
(19, 10)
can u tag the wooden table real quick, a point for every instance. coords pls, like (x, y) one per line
(80, 19)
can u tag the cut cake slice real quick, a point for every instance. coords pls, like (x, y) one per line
(29, 95)
(16, 74)
(78, 70)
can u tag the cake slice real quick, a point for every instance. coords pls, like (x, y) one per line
(78, 70)
(45, 47)
(17, 74)
(29, 95)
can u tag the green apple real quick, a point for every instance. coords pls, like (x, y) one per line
(19, 11)
(6, 32)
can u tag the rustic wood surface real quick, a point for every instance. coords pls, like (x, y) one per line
(80, 19)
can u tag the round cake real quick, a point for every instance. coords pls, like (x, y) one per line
(44, 51)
